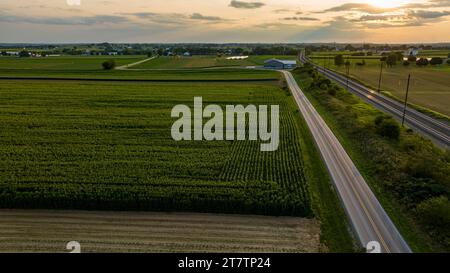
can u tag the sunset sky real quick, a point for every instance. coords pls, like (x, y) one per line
(380, 21)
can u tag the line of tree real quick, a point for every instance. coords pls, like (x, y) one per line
(275, 50)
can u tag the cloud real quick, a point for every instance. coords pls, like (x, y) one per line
(73, 20)
(428, 14)
(292, 11)
(282, 10)
(271, 22)
(143, 15)
(357, 7)
(296, 18)
(429, 4)
(407, 19)
(246, 5)
(161, 19)
(339, 29)
(372, 17)
(363, 15)
(198, 16)
(175, 18)
(274, 26)
(367, 8)
(440, 3)
(386, 21)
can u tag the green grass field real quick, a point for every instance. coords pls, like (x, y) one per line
(422, 53)
(347, 54)
(78, 67)
(429, 85)
(108, 145)
(64, 62)
(434, 53)
(205, 62)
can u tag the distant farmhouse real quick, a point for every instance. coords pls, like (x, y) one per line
(280, 64)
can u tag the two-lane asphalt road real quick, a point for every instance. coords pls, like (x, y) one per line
(368, 219)
(437, 131)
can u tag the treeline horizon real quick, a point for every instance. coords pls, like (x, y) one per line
(204, 49)
(443, 43)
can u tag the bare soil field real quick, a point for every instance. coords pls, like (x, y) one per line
(149, 232)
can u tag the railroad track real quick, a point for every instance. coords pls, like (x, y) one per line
(436, 130)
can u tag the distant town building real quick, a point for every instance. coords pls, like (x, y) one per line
(280, 64)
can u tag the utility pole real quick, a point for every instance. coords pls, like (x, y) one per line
(348, 75)
(324, 64)
(406, 100)
(381, 73)
(347, 65)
